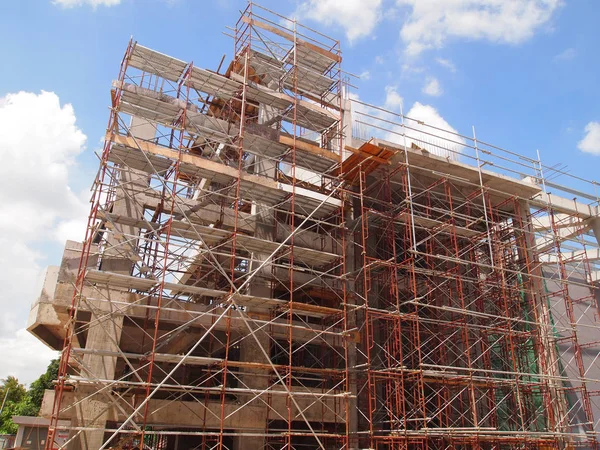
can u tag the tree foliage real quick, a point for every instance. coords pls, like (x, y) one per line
(21, 401)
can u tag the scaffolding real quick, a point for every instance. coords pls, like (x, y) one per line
(269, 264)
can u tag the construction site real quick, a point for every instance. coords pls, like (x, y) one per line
(270, 263)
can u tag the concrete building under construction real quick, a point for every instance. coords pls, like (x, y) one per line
(270, 264)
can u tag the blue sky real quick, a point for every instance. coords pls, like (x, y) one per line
(523, 72)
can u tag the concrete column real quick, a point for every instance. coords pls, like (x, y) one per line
(19, 438)
(351, 323)
(105, 326)
(249, 349)
(536, 294)
(254, 379)
(595, 226)
(348, 140)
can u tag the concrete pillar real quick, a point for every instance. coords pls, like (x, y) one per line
(351, 323)
(249, 349)
(19, 438)
(254, 379)
(537, 296)
(105, 326)
(347, 138)
(595, 226)
(352, 319)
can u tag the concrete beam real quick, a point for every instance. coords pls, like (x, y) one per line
(575, 256)
(563, 205)
(547, 241)
(263, 188)
(51, 317)
(207, 414)
(561, 220)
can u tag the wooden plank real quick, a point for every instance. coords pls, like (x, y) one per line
(320, 101)
(310, 148)
(290, 37)
(367, 155)
(308, 308)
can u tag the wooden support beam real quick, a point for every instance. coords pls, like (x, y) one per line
(310, 148)
(367, 155)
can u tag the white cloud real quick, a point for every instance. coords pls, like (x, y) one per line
(357, 17)
(93, 3)
(365, 75)
(446, 63)
(425, 127)
(379, 59)
(442, 141)
(368, 121)
(566, 55)
(591, 141)
(393, 100)
(432, 87)
(410, 69)
(20, 275)
(431, 22)
(39, 142)
(24, 357)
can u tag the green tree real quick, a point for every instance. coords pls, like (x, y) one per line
(24, 402)
(16, 391)
(37, 388)
(12, 394)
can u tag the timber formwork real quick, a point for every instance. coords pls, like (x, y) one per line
(269, 264)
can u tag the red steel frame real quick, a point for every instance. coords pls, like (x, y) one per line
(160, 260)
(466, 364)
